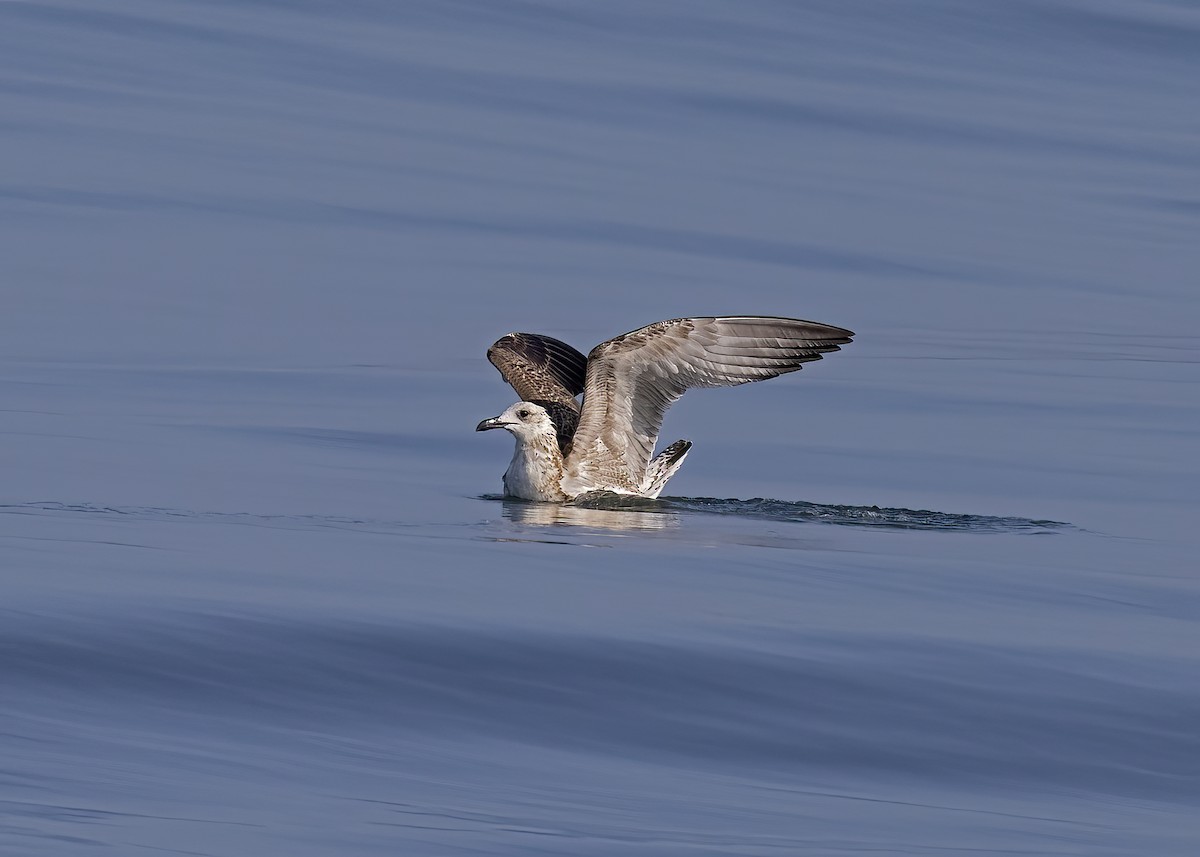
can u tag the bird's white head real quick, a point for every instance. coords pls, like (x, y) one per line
(525, 420)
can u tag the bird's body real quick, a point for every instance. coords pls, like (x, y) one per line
(565, 450)
(536, 469)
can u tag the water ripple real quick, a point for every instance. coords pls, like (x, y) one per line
(864, 516)
(633, 509)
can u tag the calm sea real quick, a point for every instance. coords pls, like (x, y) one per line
(938, 594)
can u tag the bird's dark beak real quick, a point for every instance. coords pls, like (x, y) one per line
(491, 423)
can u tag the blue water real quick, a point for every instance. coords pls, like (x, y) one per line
(937, 594)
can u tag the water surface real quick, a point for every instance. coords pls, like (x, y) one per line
(936, 594)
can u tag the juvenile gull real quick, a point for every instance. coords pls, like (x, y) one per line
(565, 451)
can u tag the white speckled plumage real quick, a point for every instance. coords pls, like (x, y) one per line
(628, 383)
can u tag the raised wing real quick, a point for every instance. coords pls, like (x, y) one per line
(546, 371)
(632, 380)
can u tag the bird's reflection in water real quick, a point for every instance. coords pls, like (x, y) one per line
(646, 515)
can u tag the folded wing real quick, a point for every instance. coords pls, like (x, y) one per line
(632, 380)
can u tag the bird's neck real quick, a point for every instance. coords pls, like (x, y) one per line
(536, 470)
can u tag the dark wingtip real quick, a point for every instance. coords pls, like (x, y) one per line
(676, 451)
(526, 360)
(507, 342)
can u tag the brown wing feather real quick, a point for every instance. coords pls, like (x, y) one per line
(545, 371)
(632, 379)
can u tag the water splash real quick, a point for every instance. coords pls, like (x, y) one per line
(617, 511)
(601, 511)
(862, 516)
(643, 513)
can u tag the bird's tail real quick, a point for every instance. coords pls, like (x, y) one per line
(664, 465)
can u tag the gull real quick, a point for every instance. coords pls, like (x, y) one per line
(565, 450)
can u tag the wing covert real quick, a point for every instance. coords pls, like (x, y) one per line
(634, 378)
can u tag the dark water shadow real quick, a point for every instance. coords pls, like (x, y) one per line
(613, 511)
(599, 511)
(863, 516)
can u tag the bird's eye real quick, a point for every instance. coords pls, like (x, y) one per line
(523, 413)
